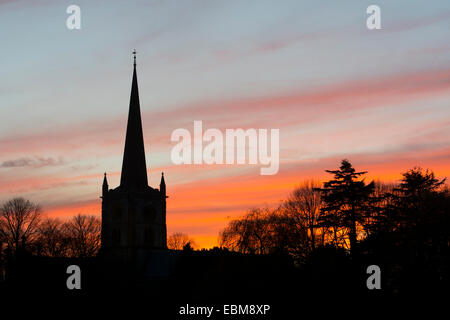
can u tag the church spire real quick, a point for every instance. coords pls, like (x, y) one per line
(104, 186)
(134, 170)
(162, 184)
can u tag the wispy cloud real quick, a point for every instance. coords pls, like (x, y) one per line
(320, 104)
(35, 162)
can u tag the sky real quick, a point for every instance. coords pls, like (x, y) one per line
(311, 69)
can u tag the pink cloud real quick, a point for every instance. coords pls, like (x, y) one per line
(280, 111)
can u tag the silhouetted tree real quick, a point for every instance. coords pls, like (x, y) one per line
(178, 240)
(411, 234)
(419, 208)
(53, 240)
(188, 247)
(347, 200)
(303, 210)
(413, 198)
(286, 233)
(84, 234)
(263, 231)
(376, 219)
(19, 222)
(248, 234)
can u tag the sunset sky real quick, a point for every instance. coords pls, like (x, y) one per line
(334, 89)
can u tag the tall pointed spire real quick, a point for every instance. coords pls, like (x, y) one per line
(134, 169)
(104, 186)
(162, 184)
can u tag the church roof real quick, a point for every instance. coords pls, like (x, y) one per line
(134, 170)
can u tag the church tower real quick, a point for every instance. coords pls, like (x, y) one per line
(133, 214)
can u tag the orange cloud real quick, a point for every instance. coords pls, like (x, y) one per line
(202, 208)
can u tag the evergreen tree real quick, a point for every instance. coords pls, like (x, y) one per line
(347, 201)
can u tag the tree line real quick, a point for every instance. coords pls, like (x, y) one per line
(410, 218)
(344, 212)
(25, 230)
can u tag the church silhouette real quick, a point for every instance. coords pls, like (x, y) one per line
(133, 214)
